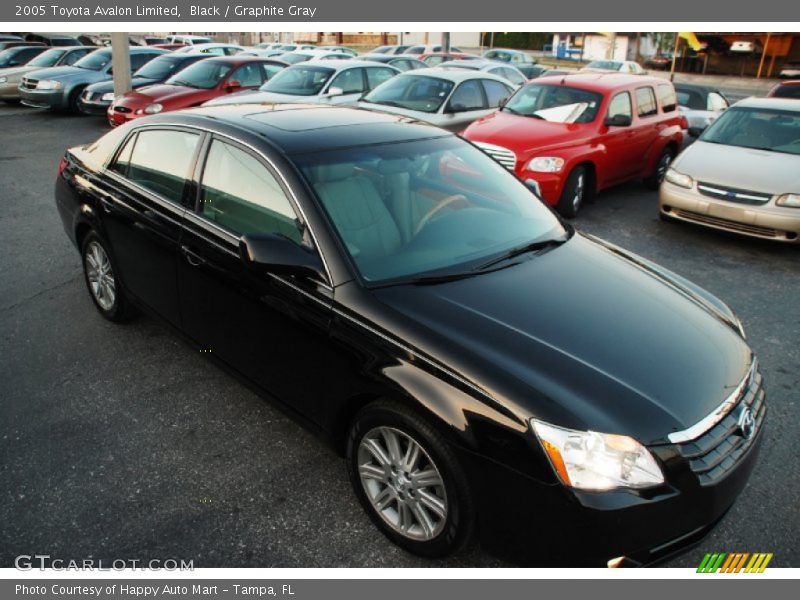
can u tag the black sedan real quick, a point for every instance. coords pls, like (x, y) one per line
(97, 97)
(483, 367)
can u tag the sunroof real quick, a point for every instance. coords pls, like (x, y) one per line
(308, 119)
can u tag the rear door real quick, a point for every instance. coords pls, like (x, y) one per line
(621, 160)
(647, 124)
(142, 209)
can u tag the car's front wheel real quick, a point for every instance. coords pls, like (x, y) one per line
(102, 281)
(408, 480)
(660, 170)
(574, 193)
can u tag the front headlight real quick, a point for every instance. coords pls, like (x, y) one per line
(109, 97)
(678, 179)
(789, 200)
(589, 460)
(48, 84)
(545, 164)
(153, 109)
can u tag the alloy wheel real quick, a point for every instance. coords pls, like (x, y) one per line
(402, 483)
(100, 276)
(577, 196)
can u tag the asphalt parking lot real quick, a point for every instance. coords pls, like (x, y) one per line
(123, 442)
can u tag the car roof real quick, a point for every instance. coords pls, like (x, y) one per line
(454, 75)
(240, 60)
(776, 103)
(694, 87)
(339, 64)
(480, 63)
(602, 82)
(299, 128)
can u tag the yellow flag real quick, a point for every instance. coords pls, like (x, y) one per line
(692, 40)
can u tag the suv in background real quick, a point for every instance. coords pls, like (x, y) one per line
(572, 136)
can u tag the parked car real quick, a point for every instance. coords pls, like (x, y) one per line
(263, 52)
(790, 70)
(148, 40)
(506, 71)
(451, 99)
(428, 49)
(786, 89)
(189, 40)
(743, 174)
(18, 56)
(53, 39)
(10, 37)
(659, 61)
(574, 135)
(527, 65)
(434, 59)
(97, 97)
(15, 43)
(393, 49)
(212, 49)
(481, 366)
(195, 84)
(60, 88)
(342, 49)
(616, 66)
(316, 82)
(299, 56)
(169, 46)
(11, 78)
(701, 105)
(296, 47)
(399, 61)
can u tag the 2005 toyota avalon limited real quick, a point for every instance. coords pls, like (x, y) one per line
(483, 367)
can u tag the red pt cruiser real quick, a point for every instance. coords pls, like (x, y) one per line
(575, 135)
(197, 83)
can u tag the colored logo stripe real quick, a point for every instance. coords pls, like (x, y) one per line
(734, 563)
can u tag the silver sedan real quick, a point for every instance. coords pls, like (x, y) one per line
(449, 98)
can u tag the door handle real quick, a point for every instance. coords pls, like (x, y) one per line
(192, 258)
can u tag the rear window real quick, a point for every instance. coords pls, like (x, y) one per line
(667, 97)
(788, 91)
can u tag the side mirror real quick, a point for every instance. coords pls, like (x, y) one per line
(335, 91)
(695, 131)
(269, 253)
(502, 103)
(619, 121)
(232, 86)
(456, 108)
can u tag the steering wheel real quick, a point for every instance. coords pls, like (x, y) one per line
(444, 202)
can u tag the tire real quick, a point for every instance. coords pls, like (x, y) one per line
(73, 106)
(574, 193)
(102, 280)
(400, 504)
(13, 101)
(657, 176)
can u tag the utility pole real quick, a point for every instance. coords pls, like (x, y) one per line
(674, 57)
(612, 45)
(121, 62)
(446, 42)
(763, 56)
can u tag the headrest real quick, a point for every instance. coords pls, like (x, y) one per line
(335, 172)
(393, 166)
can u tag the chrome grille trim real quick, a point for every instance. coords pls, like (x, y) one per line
(502, 155)
(732, 194)
(719, 413)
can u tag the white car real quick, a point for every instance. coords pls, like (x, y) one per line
(190, 40)
(620, 66)
(298, 56)
(428, 49)
(316, 82)
(700, 104)
(506, 71)
(212, 49)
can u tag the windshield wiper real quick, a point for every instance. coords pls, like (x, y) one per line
(388, 103)
(523, 249)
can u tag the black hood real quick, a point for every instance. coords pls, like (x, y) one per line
(585, 336)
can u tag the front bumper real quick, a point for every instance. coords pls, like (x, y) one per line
(765, 221)
(52, 99)
(93, 106)
(117, 117)
(550, 184)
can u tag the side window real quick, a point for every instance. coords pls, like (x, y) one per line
(377, 75)
(240, 194)
(249, 75)
(159, 160)
(73, 57)
(350, 81)
(512, 75)
(667, 97)
(496, 92)
(468, 96)
(620, 105)
(269, 71)
(646, 102)
(433, 61)
(124, 157)
(139, 60)
(716, 102)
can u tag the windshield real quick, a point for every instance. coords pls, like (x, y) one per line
(47, 59)
(160, 68)
(611, 65)
(299, 81)
(557, 103)
(203, 75)
(766, 129)
(414, 92)
(95, 61)
(294, 57)
(424, 208)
